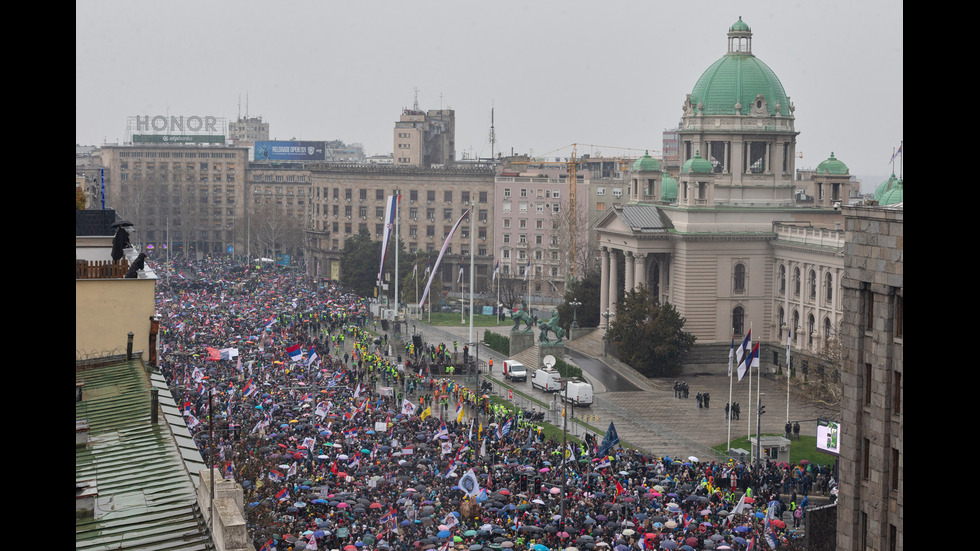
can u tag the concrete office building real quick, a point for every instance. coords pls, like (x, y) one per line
(186, 198)
(871, 504)
(349, 198)
(425, 139)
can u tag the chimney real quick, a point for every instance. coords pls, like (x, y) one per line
(86, 491)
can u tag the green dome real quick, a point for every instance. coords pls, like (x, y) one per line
(886, 186)
(832, 166)
(646, 163)
(739, 78)
(697, 165)
(739, 26)
(668, 189)
(891, 196)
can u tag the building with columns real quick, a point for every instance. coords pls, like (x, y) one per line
(727, 241)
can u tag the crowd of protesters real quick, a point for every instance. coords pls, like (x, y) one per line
(343, 439)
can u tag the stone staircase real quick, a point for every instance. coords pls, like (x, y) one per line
(529, 358)
(589, 344)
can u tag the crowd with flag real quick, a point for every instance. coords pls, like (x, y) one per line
(337, 445)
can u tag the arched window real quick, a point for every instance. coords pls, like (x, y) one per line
(829, 286)
(782, 321)
(782, 279)
(739, 278)
(796, 324)
(796, 281)
(811, 326)
(813, 285)
(826, 329)
(738, 320)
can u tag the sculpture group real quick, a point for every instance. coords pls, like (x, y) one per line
(522, 315)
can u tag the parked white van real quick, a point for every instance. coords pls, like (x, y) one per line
(514, 371)
(578, 392)
(546, 379)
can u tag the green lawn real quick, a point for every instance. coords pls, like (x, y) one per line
(804, 448)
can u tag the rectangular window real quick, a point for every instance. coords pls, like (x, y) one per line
(867, 384)
(448, 196)
(866, 466)
(897, 393)
(894, 467)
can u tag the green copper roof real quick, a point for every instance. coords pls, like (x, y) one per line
(739, 26)
(697, 165)
(891, 183)
(646, 163)
(832, 166)
(891, 196)
(668, 189)
(739, 78)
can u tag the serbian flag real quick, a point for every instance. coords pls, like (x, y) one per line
(459, 411)
(311, 356)
(213, 354)
(270, 322)
(295, 352)
(269, 546)
(249, 389)
(283, 495)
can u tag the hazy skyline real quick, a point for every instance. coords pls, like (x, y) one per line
(612, 75)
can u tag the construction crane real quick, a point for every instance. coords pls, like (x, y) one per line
(572, 164)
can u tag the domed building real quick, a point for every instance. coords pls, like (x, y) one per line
(727, 242)
(889, 192)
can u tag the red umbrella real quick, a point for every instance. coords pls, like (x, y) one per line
(778, 523)
(375, 505)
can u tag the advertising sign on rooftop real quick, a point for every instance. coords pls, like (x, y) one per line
(290, 151)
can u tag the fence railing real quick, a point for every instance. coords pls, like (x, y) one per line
(100, 269)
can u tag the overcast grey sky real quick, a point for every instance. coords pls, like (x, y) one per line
(608, 74)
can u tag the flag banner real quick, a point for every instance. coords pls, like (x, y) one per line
(469, 483)
(609, 440)
(442, 252)
(295, 352)
(408, 408)
(391, 209)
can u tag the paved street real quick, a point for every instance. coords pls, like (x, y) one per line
(645, 411)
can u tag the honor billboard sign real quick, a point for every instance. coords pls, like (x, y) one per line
(177, 125)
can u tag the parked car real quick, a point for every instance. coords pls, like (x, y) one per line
(515, 371)
(578, 392)
(546, 379)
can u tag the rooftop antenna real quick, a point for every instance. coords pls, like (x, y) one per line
(493, 135)
(416, 105)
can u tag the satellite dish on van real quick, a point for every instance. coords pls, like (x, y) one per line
(548, 361)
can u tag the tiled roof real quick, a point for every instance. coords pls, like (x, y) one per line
(645, 219)
(146, 496)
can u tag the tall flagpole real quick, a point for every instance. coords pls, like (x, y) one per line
(731, 357)
(788, 337)
(749, 367)
(472, 260)
(397, 216)
(499, 309)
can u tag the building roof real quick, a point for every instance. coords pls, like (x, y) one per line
(146, 496)
(739, 78)
(668, 189)
(888, 185)
(697, 164)
(832, 166)
(645, 219)
(646, 163)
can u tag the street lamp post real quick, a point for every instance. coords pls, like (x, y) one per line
(605, 337)
(575, 304)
